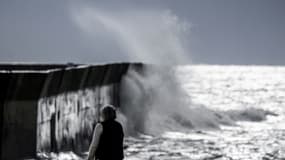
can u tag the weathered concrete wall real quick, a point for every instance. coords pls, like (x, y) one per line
(54, 110)
(19, 106)
(66, 119)
(4, 82)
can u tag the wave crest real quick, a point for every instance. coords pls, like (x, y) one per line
(153, 102)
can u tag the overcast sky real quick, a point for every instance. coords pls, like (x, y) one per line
(203, 31)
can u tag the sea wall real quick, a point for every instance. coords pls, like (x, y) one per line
(19, 113)
(54, 108)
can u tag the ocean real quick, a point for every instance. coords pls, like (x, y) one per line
(250, 98)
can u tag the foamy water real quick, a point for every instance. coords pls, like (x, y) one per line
(246, 93)
(242, 115)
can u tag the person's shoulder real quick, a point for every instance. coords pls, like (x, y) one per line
(99, 127)
(118, 124)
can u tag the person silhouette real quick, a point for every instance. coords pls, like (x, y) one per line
(108, 136)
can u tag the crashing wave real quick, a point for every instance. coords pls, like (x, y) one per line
(152, 102)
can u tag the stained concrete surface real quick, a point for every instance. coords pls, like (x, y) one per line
(48, 108)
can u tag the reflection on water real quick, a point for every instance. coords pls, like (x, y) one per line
(229, 143)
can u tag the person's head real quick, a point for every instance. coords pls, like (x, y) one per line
(108, 112)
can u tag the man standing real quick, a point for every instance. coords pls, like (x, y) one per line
(107, 141)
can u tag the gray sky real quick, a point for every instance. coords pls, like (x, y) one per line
(205, 31)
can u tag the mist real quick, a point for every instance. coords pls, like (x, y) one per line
(142, 35)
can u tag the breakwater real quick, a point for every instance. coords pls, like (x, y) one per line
(53, 108)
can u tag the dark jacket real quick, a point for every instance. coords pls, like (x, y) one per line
(110, 145)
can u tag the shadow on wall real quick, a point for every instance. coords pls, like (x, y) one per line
(54, 108)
